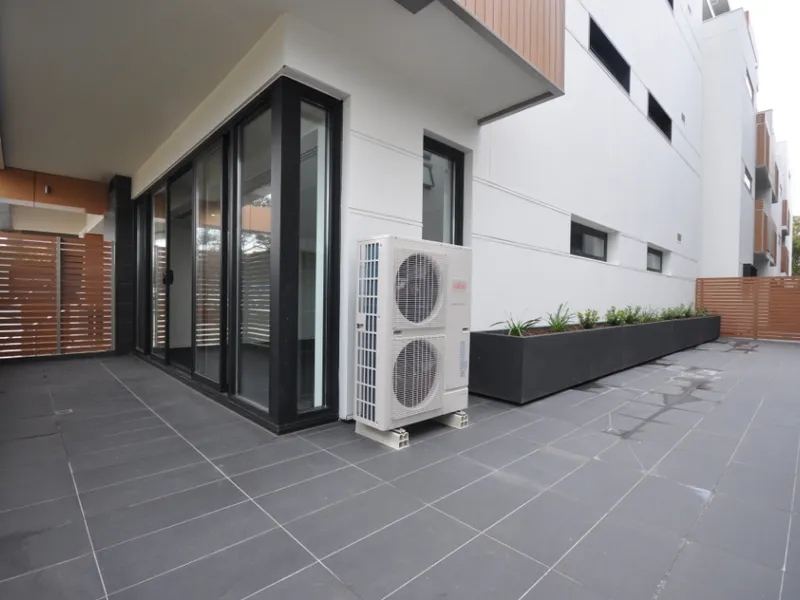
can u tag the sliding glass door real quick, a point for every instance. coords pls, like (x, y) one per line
(158, 301)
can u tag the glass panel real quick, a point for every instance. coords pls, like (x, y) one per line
(181, 246)
(593, 245)
(654, 261)
(159, 268)
(208, 264)
(255, 226)
(437, 198)
(314, 158)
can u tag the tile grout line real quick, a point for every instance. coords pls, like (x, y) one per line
(617, 503)
(791, 517)
(40, 569)
(261, 508)
(88, 533)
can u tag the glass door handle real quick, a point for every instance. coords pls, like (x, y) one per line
(168, 277)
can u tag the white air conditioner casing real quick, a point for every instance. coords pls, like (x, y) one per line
(412, 331)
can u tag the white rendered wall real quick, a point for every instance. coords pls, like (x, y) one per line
(593, 154)
(728, 146)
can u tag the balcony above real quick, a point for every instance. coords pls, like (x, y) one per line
(784, 260)
(767, 172)
(785, 218)
(765, 241)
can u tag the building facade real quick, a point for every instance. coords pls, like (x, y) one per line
(550, 136)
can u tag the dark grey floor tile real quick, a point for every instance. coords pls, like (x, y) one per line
(31, 450)
(73, 580)
(191, 416)
(506, 422)
(84, 443)
(128, 453)
(401, 462)
(761, 485)
(313, 583)
(18, 429)
(546, 430)
(545, 466)
(40, 517)
(770, 447)
(586, 442)
(702, 572)
(138, 418)
(379, 564)
(793, 554)
(342, 433)
(486, 501)
(25, 404)
(546, 527)
(272, 478)
(333, 528)
(598, 483)
(90, 479)
(791, 585)
(278, 451)
(663, 503)
(486, 410)
(360, 450)
(230, 439)
(235, 572)
(557, 587)
(754, 532)
(437, 480)
(482, 569)
(28, 549)
(134, 521)
(456, 441)
(132, 562)
(21, 485)
(500, 452)
(699, 460)
(635, 455)
(312, 495)
(623, 559)
(108, 408)
(135, 491)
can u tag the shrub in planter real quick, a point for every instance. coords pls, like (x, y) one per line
(614, 316)
(589, 319)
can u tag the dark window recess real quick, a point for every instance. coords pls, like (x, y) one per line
(605, 51)
(749, 270)
(655, 260)
(659, 116)
(588, 242)
(671, 4)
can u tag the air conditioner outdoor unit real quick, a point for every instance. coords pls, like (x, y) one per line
(412, 334)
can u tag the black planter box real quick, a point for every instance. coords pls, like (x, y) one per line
(522, 369)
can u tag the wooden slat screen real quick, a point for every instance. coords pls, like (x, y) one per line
(754, 307)
(30, 321)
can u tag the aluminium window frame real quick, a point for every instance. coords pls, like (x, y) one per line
(586, 229)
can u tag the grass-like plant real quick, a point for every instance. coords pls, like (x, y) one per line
(517, 327)
(650, 315)
(559, 320)
(614, 316)
(631, 315)
(589, 319)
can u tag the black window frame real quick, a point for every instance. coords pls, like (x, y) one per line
(671, 4)
(658, 116)
(284, 97)
(747, 180)
(434, 146)
(660, 255)
(581, 229)
(608, 55)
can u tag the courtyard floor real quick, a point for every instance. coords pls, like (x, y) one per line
(671, 481)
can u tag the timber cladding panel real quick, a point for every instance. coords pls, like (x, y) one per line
(533, 28)
(55, 295)
(753, 307)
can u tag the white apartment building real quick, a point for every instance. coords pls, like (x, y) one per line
(588, 151)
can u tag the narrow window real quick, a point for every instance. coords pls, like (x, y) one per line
(442, 193)
(659, 116)
(605, 51)
(655, 259)
(750, 90)
(748, 180)
(588, 242)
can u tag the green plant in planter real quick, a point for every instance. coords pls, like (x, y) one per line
(614, 316)
(669, 314)
(688, 311)
(650, 315)
(559, 320)
(517, 327)
(701, 312)
(589, 319)
(631, 315)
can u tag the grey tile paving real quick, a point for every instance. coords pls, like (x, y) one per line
(168, 522)
(482, 569)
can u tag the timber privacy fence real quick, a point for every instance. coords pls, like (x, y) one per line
(753, 307)
(55, 294)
